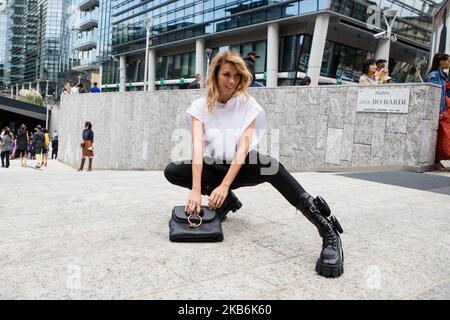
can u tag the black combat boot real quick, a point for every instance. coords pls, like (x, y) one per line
(231, 203)
(316, 210)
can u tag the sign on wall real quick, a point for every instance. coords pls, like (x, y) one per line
(394, 100)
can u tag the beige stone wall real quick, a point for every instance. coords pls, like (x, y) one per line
(318, 128)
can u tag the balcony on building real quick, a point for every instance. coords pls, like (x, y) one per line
(89, 21)
(85, 64)
(86, 42)
(86, 5)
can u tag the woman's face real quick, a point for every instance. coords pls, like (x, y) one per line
(228, 79)
(445, 64)
(373, 68)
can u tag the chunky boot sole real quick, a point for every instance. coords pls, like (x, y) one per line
(330, 271)
(234, 206)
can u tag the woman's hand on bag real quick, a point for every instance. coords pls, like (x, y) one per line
(217, 197)
(194, 202)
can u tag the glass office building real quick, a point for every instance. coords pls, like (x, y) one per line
(281, 32)
(49, 44)
(66, 58)
(36, 47)
(86, 39)
(23, 38)
(5, 44)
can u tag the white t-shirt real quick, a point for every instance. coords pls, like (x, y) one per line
(223, 128)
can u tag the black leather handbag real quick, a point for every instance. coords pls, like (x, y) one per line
(205, 227)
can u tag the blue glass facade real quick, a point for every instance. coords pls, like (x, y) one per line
(49, 45)
(175, 22)
(184, 19)
(5, 44)
(24, 39)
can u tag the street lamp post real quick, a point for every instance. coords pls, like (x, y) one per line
(385, 37)
(208, 57)
(46, 106)
(148, 25)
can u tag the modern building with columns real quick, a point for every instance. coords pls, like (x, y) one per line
(324, 39)
(441, 33)
(86, 38)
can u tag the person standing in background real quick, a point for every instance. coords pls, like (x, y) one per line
(196, 83)
(95, 89)
(87, 145)
(38, 145)
(46, 146)
(55, 143)
(22, 139)
(6, 147)
(382, 72)
(250, 61)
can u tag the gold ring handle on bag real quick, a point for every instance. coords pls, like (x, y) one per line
(194, 225)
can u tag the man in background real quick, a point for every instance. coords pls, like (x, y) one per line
(250, 61)
(196, 83)
(95, 89)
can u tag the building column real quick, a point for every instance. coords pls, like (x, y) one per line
(317, 47)
(12, 92)
(100, 75)
(382, 50)
(272, 55)
(29, 85)
(38, 87)
(151, 69)
(122, 73)
(200, 60)
(17, 89)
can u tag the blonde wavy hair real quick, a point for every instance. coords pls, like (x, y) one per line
(212, 90)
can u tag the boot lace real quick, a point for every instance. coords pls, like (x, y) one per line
(330, 239)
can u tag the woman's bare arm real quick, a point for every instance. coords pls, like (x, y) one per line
(195, 198)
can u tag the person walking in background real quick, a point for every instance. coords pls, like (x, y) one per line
(6, 147)
(38, 145)
(95, 88)
(87, 146)
(22, 145)
(46, 146)
(250, 61)
(196, 83)
(55, 145)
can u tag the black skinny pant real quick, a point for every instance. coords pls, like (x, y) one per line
(5, 156)
(257, 169)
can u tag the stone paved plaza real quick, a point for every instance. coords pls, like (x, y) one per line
(104, 235)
